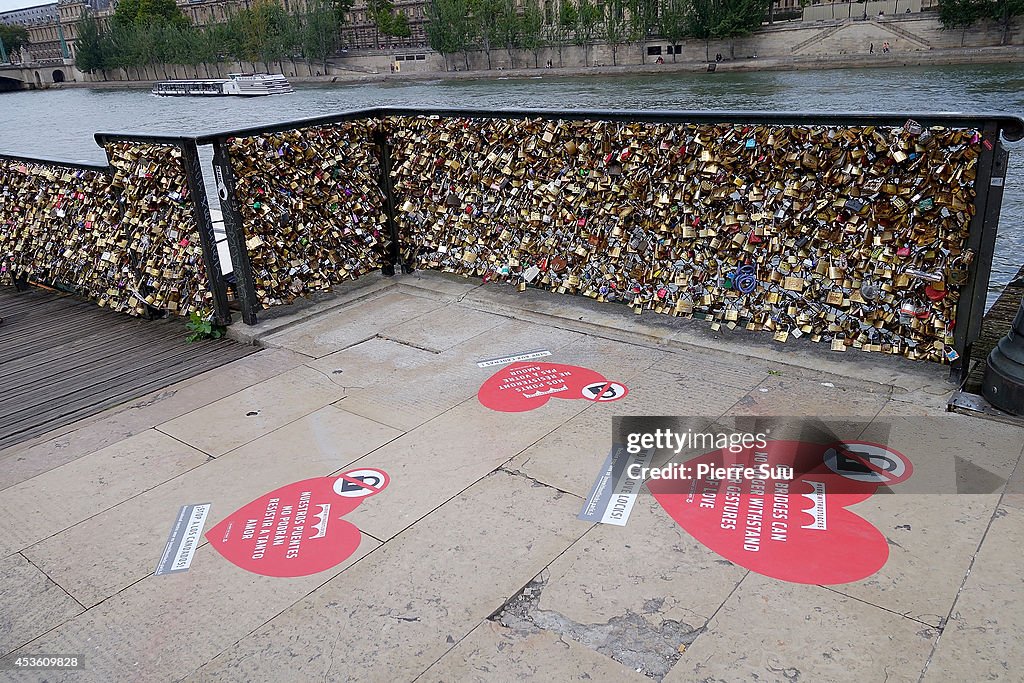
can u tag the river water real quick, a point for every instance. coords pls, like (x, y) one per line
(60, 123)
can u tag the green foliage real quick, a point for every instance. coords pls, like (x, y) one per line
(584, 29)
(618, 29)
(739, 17)
(643, 15)
(449, 27)
(386, 21)
(318, 31)
(340, 9)
(146, 32)
(147, 12)
(1004, 12)
(715, 19)
(483, 16)
(91, 51)
(149, 32)
(564, 25)
(959, 14)
(14, 37)
(399, 27)
(680, 18)
(532, 29)
(201, 327)
(567, 15)
(508, 29)
(262, 33)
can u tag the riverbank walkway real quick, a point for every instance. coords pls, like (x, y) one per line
(469, 562)
(1009, 54)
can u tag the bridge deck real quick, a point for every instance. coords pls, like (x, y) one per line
(63, 359)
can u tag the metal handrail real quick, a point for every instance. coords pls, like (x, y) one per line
(1011, 125)
(103, 137)
(194, 177)
(63, 163)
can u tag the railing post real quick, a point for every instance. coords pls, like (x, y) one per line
(204, 226)
(981, 240)
(235, 232)
(380, 138)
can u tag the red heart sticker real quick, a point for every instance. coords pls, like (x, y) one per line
(524, 386)
(793, 529)
(298, 529)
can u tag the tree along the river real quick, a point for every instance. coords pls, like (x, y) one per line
(680, 18)
(738, 18)
(532, 28)
(643, 15)
(450, 28)
(386, 21)
(318, 33)
(588, 15)
(508, 28)
(618, 29)
(90, 52)
(146, 12)
(1004, 12)
(961, 14)
(13, 37)
(484, 22)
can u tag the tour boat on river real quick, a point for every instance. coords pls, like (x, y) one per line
(246, 85)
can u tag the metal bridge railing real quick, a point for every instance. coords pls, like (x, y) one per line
(305, 206)
(125, 234)
(866, 231)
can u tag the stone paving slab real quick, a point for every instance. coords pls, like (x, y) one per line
(374, 361)
(773, 631)
(31, 604)
(444, 328)
(982, 640)
(314, 446)
(396, 613)
(238, 419)
(781, 395)
(495, 653)
(60, 498)
(932, 539)
(650, 568)
(986, 454)
(342, 327)
(164, 627)
(416, 385)
(432, 464)
(1014, 496)
(443, 285)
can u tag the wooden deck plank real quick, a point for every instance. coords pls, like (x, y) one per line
(90, 404)
(63, 358)
(78, 363)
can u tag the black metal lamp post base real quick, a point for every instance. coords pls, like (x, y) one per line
(1003, 384)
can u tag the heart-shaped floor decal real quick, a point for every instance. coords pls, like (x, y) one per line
(524, 386)
(793, 529)
(298, 529)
